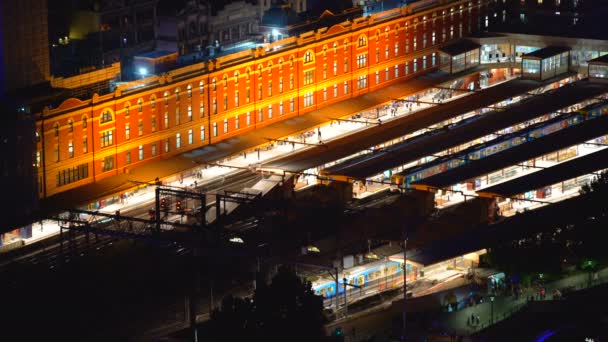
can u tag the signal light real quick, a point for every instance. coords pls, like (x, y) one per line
(163, 203)
(178, 205)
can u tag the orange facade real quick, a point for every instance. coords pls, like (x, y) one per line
(84, 141)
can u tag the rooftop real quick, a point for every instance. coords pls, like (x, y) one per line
(156, 54)
(600, 60)
(547, 52)
(459, 47)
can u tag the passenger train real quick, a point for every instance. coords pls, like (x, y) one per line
(493, 147)
(359, 276)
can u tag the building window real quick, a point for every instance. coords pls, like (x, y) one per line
(308, 77)
(140, 128)
(225, 81)
(71, 149)
(281, 108)
(107, 138)
(407, 68)
(70, 125)
(202, 110)
(190, 137)
(335, 68)
(56, 153)
(105, 117)
(237, 123)
(291, 82)
(214, 106)
(141, 152)
(335, 90)
(248, 119)
(308, 57)
(126, 110)
(386, 77)
(415, 43)
(362, 41)
(177, 116)
(362, 82)
(215, 129)
(269, 111)
(152, 102)
(202, 133)
(377, 77)
(386, 52)
(260, 115)
(423, 62)
(308, 99)
(396, 71)
(166, 120)
(415, 64)
(377, 55)
(346, 65)
(166, 98)
(248, 95)
(128, 157)
(225, 126)
(84, 122)
(214, 84)
(345, 87)
(178, 140)
(153, 149)
(225, 102)
(281, 85)
(189, 90)
(361, 61)
(433, 38)
(269, 88)
(189, 113)
(107, 163)
(259, 92)
(236, 98)
(167, 148)
(396, 49)
(451, 31)
(324, 71)
(324, 94)
(433, 61)
(177, 94)
(291, 105)
(85, 145)
(140, 105)
(201, 87)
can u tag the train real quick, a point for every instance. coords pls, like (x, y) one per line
(359, 276)
(492, 147)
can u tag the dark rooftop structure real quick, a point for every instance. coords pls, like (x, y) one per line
(547, 52)
(459, 47)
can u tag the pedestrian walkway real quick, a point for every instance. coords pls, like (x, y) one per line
(475, 318)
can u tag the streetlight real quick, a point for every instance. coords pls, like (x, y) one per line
(492, 309)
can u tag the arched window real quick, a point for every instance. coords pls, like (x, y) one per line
(335, 48)
(324, 51)
(127, 105)
(70, 125)
(189, 90)
(201, 87)
(84, 121)
(106, 117)
(308, 57)
(259, 71)
(236, 77)
(345, 45)
(248, 73)
(269, 68)
(177, 94)
(152, 101)
(362, 41)
(280, 65)
(140, 105)
(56, 129)
(291, 61)
(214, 84)
(166, 97)
(225, 81)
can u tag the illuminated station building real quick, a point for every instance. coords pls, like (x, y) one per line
(83, 141)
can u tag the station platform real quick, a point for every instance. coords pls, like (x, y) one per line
(567, 170)
(169, 167)
(526, 151)
(409, 123)
(469, 129)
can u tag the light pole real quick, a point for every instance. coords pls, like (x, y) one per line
(492, 310)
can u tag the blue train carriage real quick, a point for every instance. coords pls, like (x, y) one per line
(359, 276)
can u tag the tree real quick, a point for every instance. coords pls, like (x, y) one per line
(285, 310)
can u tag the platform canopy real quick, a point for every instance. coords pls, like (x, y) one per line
(461, 55)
